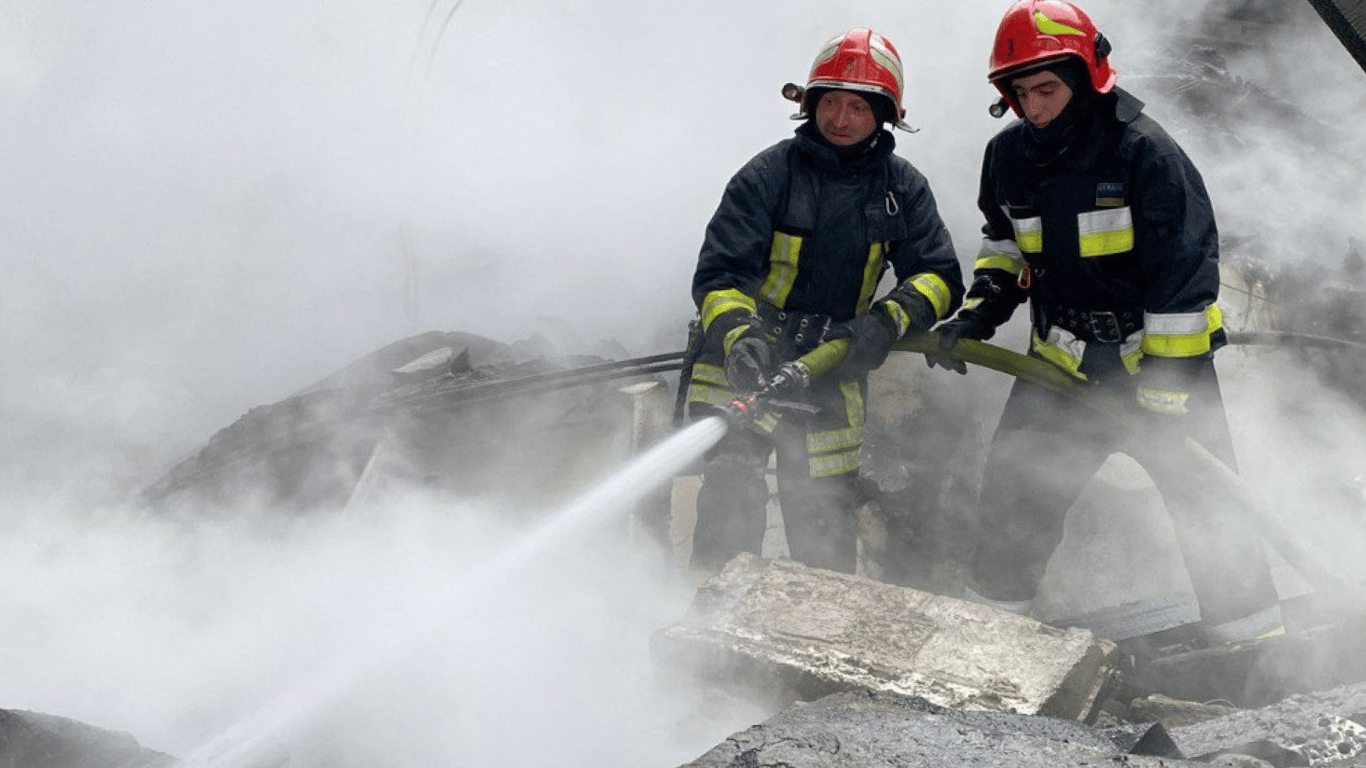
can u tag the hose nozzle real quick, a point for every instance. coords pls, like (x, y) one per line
(790, 378)
(743, 409)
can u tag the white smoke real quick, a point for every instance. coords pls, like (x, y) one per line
(206, 208)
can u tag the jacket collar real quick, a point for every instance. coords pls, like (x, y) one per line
(1127, 106)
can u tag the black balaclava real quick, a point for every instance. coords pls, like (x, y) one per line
(1073, 124)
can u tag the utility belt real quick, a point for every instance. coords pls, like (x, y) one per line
(1103, 326)
(795, 333)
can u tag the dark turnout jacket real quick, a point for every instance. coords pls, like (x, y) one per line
(1112, 242)
(800, 230)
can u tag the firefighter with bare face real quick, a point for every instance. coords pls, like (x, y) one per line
(793, 257)
(1098, 219)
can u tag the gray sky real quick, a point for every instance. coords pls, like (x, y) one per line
(207, 207)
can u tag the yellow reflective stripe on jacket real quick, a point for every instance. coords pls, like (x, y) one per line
(834, 440)
(872, 273)
(836, 451)
(1062, 348)
(1000, 254)
(1131, 352)
(932, 287)
(732, 336)
(1029, 234)
(709, 385)
(834, 464)
(1180, 334)
(783, 255)
(718, 303)
(1105, 232)
(767, 422)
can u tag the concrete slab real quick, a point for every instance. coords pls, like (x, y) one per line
(1322, 728)
(884, 730)
(801, 633)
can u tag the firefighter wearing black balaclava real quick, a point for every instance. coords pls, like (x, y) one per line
(793, 257)
(1098, 218)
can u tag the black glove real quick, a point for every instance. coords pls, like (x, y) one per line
(749, 362)
(871, 337)
(965, 326)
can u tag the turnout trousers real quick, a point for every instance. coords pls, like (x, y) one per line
(1046, 448)
(817, 477)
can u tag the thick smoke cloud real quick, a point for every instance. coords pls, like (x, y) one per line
(208, 207)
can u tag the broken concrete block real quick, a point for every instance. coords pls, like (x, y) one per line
(885, 730)
(781, 626)
(1311, 729)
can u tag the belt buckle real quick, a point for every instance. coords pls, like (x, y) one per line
(1105, 327)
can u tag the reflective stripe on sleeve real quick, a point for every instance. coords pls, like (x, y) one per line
(1180, 334)
(932, 287)
(718, 303)
(1105, 232)
(1000, 254)
(1029, 234)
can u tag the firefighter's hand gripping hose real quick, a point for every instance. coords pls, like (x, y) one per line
(791, 378)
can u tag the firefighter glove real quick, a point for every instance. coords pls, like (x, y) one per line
(749, 362)
(871, 337)
(968, 325)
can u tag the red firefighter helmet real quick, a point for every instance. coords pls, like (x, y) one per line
(858, 60)
(1035, 32)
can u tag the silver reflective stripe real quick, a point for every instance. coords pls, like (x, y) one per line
(1175, 323)
(1062, 348)
(999, 248)
(1068, 342)
(1000, 254)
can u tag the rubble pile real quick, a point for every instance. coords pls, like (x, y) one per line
(869, 674)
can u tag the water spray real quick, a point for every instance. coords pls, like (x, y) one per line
(257, 741)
